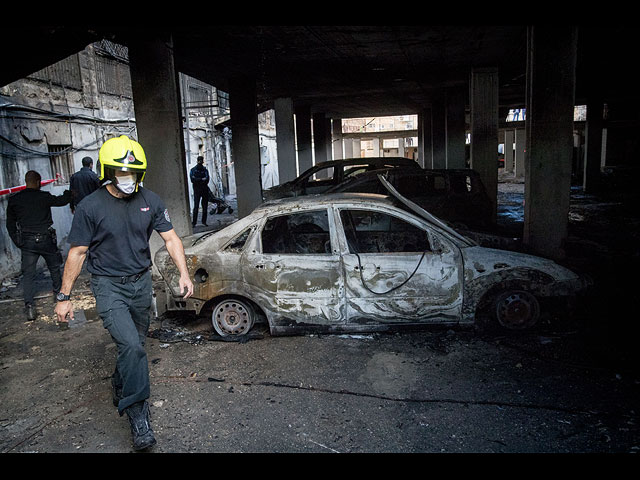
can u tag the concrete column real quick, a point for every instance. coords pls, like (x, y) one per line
(245, 143)
(231, 176)
(348, 147)
(375, 142)
(357, 148)
(603, 158)
(484, 129)
(519, 152)
(593, 145)
(285, 139)
(439, 131)
(303, 133)
(551, 76)
(328, 138)
(455, 139)
(425, 150)
(321, 134)
(508, 151)
(155, 86)
(337, 139)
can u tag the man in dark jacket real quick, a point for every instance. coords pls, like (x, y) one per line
(83, 182)
(200, 179)
(29, 224)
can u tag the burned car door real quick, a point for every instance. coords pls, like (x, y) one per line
(396, 271)
(296, 266)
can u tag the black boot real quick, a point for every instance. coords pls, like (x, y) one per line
(138, 414)
(30, 310)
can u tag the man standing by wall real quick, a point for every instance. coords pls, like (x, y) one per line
(200, 179)
(29, 224)
(83, 182)
(111, 229)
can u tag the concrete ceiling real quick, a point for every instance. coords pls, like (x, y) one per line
(350, 71)
(344, 70)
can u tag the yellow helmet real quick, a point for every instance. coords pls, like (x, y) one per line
(121, 153)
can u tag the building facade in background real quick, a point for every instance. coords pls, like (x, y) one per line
(53, 118)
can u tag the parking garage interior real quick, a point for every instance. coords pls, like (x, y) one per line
(579, 196)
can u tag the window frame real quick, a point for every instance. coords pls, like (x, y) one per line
(427, 232)
(330, 224)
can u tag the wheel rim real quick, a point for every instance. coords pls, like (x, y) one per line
(232, 317)
(517, 310)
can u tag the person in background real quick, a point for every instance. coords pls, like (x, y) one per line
(30, 227)
(84, 182)
(200, 179)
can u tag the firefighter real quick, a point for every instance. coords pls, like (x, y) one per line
(111, 229)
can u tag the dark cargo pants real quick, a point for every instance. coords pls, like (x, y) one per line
(124, 306)
(33, 247)
(200, 196)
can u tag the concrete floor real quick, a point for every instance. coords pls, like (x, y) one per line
(571, 386)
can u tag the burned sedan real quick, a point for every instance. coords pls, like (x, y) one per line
(325, 175)
(355, 263)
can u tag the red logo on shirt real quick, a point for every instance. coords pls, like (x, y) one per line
(144, 209)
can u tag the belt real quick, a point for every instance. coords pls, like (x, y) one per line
(131, 278)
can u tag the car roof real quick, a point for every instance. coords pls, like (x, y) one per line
(422, 171)
(400, 172)
(406, 162)
(309, 201)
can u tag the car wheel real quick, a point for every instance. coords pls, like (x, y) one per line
(233, 317)
(516, 310)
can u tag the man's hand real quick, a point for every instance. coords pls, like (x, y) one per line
(64, 310)
(186, 283)
(176, 251)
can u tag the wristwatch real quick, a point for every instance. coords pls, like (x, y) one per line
(61, 297)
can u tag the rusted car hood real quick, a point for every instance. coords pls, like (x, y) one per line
(484, 261)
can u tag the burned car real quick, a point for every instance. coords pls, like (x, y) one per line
(324, 175)
(355, 263)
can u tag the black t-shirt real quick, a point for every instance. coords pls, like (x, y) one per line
(117, 230)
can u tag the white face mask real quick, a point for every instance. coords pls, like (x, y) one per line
(127, 183)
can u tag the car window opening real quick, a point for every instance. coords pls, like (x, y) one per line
(298, 233)
(367, 231)
(375, 232)
(238, 243)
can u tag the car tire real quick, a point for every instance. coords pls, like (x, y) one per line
(233, 317)
(516, 309)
